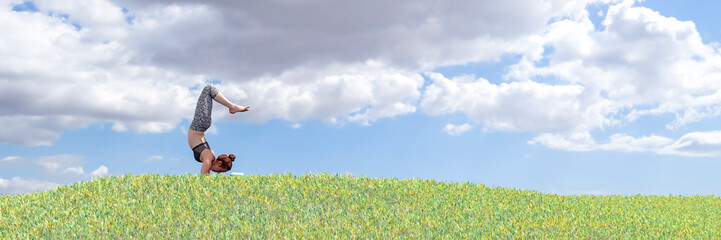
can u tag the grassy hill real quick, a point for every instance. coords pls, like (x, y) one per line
(329, 206)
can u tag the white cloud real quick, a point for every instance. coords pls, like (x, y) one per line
(58, 170)
(136, 68)
(55, 76)
(277, 36)
(640, 59)
(139, 69)
(642, 62)
(18, 185)
(9, 158)
(35, 130)
(628, 143)
(697, 144)
(516, 106)
(577, 141)
(363, 93)
(99, 20)
(14, 161)
(694, 144)
(101, 171)
(296, 126)
(456, 130)
(159, 158)
(574, 78)
(75, 170)
(54, 163)
(67, 164)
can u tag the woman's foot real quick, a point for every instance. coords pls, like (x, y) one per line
(235, 108)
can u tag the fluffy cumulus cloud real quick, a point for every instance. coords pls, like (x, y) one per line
(456, 130)
(75, 170)
(66, 66)
(65, 163)
(638, 63)
(138, 65)
(645, 64)
(695, 144)
(57, 163)
(515, 106)
(640, 59)
(251, 38)
(101, 171)
(55, 170)
(363, 92)
(18, 185)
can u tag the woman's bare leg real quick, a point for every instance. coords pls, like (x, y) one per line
(203, 109)
(232, 108)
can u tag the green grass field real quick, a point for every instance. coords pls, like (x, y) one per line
(341, 206)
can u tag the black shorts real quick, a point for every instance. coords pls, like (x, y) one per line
(197, 150)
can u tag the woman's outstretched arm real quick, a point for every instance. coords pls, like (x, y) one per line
(207, 158)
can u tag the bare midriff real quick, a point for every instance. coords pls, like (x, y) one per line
(195, 138)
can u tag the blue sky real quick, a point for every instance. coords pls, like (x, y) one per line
(552, 99)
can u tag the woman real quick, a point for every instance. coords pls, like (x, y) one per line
(201, 122)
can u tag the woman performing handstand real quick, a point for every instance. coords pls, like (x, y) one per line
(201, 122)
